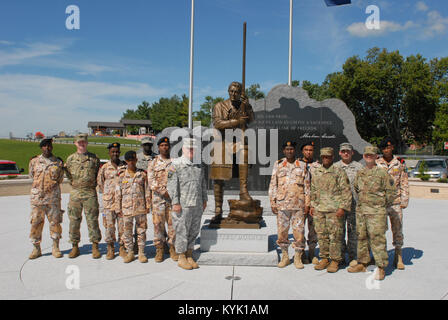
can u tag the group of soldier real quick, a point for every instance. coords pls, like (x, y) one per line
(339, 197)
(174, 190)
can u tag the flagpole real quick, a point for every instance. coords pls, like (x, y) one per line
(190, 98)
(290, 42)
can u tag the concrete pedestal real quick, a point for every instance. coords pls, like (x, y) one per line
(237, 247)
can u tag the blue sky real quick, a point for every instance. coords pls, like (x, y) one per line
(54, 79)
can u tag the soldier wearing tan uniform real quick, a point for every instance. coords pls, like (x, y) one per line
(330, 198)
(376, 192)
(133, 202)
(396, 167)
(82, 169)
(107, 178)
(161, 202)
(47, 173)
(308, 158)
(289, 194)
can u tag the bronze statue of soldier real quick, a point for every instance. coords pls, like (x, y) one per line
(233, 113)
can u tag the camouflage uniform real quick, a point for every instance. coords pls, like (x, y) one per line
(133, 201)
(47, 175)
(186, 186)
(397, 169)
(312, 235)
(161, 206)
(82, 170)
(107, 178)
(143, 160)
(350, 216)
(330, 191)
(289, 192)
(375, 192)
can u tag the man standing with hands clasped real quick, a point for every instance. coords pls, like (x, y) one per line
(187, 189)
(330, 198)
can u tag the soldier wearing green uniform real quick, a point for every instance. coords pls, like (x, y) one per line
(330, 198)
(376, 191)
(82, 169)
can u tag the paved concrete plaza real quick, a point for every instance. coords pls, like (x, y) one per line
(425, 277)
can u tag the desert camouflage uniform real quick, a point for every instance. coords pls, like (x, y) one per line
(161, 206)
(82, 170)
(186, 186)
(350, 216)
(375, 191)
(47, 175)
(312, 235)
(330, 191)
(397, 169)
(107, 179)
(289, 192)
(133, 201)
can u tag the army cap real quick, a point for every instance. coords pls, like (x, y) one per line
(81, 137)
(45, 142)
(388, 141)
(162, 140)
(370, 150)
(326, 151)
(289, 144)
(345, 146)
(113, 145)
(146, 140)
(190, 143)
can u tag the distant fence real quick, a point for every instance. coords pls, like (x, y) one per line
(72, 142)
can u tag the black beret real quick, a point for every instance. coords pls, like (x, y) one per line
(289, 144)
(130, 155)
(388, 141)
(162, 140)
(309, 143)
(45, 142)
(114, 145)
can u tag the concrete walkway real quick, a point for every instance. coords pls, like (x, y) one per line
(425, 277)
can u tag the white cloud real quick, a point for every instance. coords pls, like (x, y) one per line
(6, 43)
(18, 55)
(436, 24)
(421, 6)
(31, 102)
(359, 29)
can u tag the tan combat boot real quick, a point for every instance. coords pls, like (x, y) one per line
(312, 255)
(190, 260)
(244, 173)
(96, 254)
(129, 257)
(173, 255)
(322, 265)
(353, 263)
(183, 263)
(159, 254)
(298, 260)
(56, 252)
(285, 259)
(398, 259)
(110, 251)
(122, 251)
(333, 267)
(36, 252)
(141, 254)
(380, 274)
(360, 267)
(75, 251)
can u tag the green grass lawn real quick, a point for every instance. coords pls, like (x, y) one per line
(105, 140)
(22, 152)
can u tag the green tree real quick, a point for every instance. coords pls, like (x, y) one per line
(169, 112)
(141, 113)
(253, 92)
(439, 70)
(316, 91)
(205, 113)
